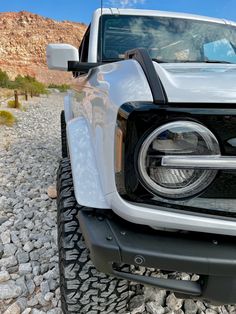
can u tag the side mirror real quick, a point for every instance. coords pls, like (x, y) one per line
(58, 56)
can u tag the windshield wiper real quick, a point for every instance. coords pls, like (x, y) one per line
(218, 61)
(205, 61)
(160, 61)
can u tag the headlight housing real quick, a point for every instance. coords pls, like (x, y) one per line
(179, 138)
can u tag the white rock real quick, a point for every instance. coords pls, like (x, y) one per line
(25, 268)
(173, 303)
(6, 237)
(154, 308)
(9, 290)
(28, 247)
(8, 261)
(27, 311)
(4, 276)
(13, 309)
(49, 296)
(211, 311)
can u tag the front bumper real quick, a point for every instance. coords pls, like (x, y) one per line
(113, 242)
(165, 218)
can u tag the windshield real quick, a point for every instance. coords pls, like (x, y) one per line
(168, 39)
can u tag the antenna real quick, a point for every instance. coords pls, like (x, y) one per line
(101, 24)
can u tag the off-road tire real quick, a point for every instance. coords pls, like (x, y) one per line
(83, 288)
(64, 151)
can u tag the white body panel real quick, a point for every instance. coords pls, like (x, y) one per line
(198, 83)
(83, 163)
(95, 102)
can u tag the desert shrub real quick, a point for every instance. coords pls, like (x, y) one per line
(11, 104)
(29, 85)
(4, 79)
(6, 118)
(62, 88)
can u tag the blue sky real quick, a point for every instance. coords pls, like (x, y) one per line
(81, 10)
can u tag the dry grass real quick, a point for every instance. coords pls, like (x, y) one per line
(7, 118)
(6, 93)
(11, 104)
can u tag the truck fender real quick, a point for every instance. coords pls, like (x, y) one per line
(68, 107)
(87, 184)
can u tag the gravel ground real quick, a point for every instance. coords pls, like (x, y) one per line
(29, 280)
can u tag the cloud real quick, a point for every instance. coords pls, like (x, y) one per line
(123, 3)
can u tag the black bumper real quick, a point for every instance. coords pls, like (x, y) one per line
(113, 242)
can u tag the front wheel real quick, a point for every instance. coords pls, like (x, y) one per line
(83, 288)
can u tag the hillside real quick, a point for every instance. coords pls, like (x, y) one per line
(23, 39)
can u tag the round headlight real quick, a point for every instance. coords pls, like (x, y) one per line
(180, 138)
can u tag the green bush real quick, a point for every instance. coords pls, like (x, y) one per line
(7, 118)
(62, 88)
(23, 84)
(4, 79)
(30, 85)
(12, 104)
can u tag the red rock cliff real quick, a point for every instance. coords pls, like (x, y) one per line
(23, 41)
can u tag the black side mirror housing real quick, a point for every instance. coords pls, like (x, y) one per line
(81, 67)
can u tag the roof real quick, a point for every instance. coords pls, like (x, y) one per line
(163, 14)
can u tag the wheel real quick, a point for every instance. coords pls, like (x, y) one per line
(64, 150)
(83, 288)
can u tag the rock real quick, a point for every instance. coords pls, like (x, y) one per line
(211, 311)
(49, 296)
(52, 192)
(21, 283)
(34, 255)
(38, 280)
(9, 249)
(44, 287)
(22, 257)
(156, 295)
(27, 311)
(8, 261)
(6, 237)
(25, 268)
(13, 309)
(9, 290)
(22, 302)
(190, 307)
(14, 276)
(4, 276)
(41, 299)
(33, 301)
(3, 219)
(154, 308)
(173, 303)
(56, 311)
(136, 302)
(200, 306)
(35, 311)
(28, 247)
(30, 285)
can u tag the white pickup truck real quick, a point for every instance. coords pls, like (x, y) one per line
(148, 175)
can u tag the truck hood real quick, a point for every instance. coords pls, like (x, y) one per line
(198, 82)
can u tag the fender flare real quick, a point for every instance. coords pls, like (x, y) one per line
(87, 184)
(68, 107)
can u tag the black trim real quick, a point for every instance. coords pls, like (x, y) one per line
(81, 67)
(138, 119)
(113, 242)
(141, 55)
